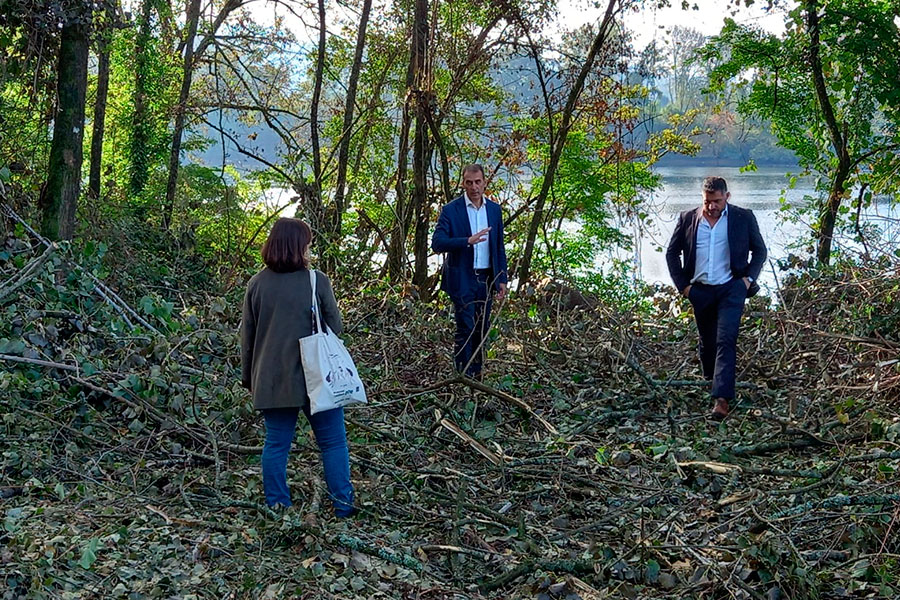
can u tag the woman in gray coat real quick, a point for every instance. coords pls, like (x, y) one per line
(277, 313)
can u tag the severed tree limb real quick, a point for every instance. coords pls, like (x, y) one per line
(825, 555)
(100, 288)
(825, 478)
(370, 429)
(459, 550)
(151, 411)
(715, 467)
(160, 418)
(565, 566)
(839, 501)
(874, 455)
(606, 518)
(475, 444)
(404, 560)
(479, 508)
(612, 415)
(766, 447)
(29, 272)
(877, 342)
(477, 385)
(36, 361)
(808, 474)
(342, 539)
(634, 366)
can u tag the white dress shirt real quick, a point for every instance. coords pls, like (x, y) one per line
(713, 254)
(477, 221)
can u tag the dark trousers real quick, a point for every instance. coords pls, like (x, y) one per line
(717, 310)
(473, 316)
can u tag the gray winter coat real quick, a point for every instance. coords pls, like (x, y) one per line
(277, 313)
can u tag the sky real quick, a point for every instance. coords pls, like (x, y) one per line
(650, 24)
(647, 24)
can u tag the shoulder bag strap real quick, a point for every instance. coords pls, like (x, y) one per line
(319, 323)
(315, 302)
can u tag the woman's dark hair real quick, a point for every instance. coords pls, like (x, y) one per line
(285, 250)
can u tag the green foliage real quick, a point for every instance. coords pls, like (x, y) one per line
(592, 194)
(25, 114)
(860, 55)
(136, 143)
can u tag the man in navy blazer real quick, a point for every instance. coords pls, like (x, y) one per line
(470, 233)
(723, 254)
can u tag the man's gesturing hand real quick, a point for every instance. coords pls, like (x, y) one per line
(479, 237)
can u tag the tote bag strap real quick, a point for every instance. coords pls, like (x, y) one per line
(318, 319)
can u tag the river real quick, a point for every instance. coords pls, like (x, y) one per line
(757, 190)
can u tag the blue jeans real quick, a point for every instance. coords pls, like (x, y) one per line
(331, 437)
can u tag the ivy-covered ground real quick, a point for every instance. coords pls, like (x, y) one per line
(583, 467)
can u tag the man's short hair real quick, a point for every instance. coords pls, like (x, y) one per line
(472, 168)
(715, 184)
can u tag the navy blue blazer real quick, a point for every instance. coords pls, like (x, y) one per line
(744, 239)
(451, 236)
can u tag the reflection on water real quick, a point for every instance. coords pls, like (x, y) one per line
(759, 191)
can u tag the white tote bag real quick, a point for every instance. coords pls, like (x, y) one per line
(332, 380)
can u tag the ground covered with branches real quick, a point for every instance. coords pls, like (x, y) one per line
(582, 467)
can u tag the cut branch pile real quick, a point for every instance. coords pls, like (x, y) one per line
(583, 466)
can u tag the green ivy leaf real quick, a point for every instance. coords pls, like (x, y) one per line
(659, 450)
(146, 305)
(652, 573)
(89, 554)
(14, 347)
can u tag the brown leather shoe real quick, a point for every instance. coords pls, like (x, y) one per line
(720, 411)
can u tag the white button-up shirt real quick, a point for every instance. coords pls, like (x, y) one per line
(477, 221)
(713, 254)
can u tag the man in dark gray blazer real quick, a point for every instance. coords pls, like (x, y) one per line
(715, 256)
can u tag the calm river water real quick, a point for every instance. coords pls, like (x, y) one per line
(759, 191)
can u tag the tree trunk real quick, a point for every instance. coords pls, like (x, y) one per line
(140, 133)
(423, 98)
(397, 249)
(337, 208)
(99, 118)
(363, 137)
(316, 209)
(841, 174)
(60, 195)
(397, 256)
(559, 142)
(193, 17)
(828, 216)
(420, 200)
(434, 125)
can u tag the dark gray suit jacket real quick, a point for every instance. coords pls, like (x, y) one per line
(744, 240)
